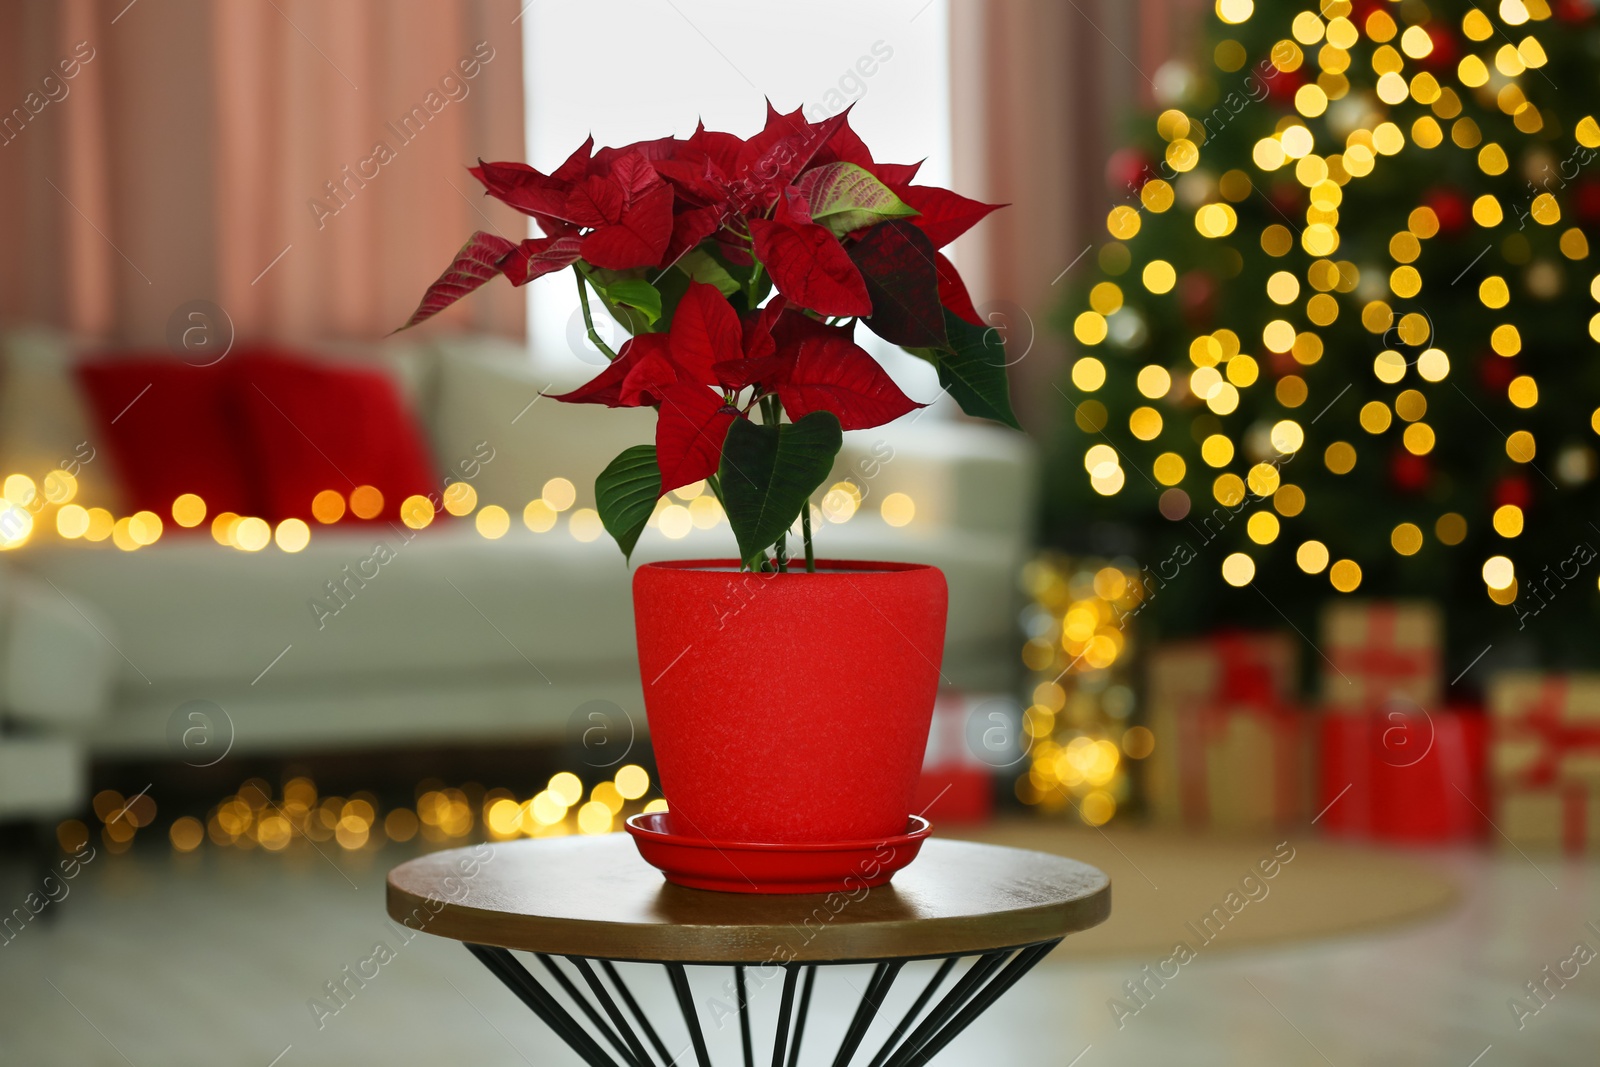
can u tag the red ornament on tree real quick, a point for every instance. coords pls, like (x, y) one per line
(1282, 88)
(1446, 51)
(1197, 293)
(1288, 197)
(1573, 11)
(1408, 472)
(1586, 202)
(1512, 489)
(1496, 372)
(1450, 207)
(1127, 171)
(1283, 364)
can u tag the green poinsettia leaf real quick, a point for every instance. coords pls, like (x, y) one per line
(972, 368)
(625, 495)
(673, 285)
(702, 266)
(846, 197)
(742, 276)
(633, 294)
(768, 474)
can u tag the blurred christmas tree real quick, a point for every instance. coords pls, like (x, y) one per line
(1342, 336)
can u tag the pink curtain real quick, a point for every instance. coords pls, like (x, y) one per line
(300, 163)
(1037, 87)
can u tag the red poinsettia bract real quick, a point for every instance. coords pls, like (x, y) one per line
(697, 373)
(642, 206)
(742, 267)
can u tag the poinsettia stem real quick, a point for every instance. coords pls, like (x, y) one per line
(771, 415)
(805, 533)
(755, 280)
(588, 319)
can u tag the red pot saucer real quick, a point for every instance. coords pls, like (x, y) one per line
(746, 867)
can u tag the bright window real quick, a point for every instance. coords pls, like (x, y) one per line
(628, 71)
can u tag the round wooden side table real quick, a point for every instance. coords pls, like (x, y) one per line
(593, 901)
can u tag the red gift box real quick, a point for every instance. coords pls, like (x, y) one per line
(1545, 759)
(953, 795)
(1230, 749)
(1403, 774)
(970, 738)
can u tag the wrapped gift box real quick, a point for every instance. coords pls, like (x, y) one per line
(1544, 759)
(972, 737)
(1233, 666)
(1379, 653)
(1231, 749)
(1551, 818)
(1399, 774)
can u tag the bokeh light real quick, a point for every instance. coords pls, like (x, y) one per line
(292, 535)
(493, 522)
(188, 510)
(328, 506)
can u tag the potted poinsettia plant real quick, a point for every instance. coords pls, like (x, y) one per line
(789, 702)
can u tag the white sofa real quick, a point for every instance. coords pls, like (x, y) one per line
(56, 680)
(461, 639)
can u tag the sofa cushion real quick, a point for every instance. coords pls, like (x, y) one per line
(392, 605)
(410, 364)
(172, 429)
(379, 602)
(489, 402)
(967, 474)
(315, 425)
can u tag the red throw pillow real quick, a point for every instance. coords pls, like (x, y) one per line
(311, 425)
(171, 429)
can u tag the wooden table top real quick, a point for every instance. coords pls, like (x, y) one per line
(595, 897)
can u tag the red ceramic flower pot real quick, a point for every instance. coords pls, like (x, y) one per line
(789, 708)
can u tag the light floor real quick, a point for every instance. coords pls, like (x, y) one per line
(209, 960)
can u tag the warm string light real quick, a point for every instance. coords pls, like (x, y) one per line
(1079, 655)
(695, 507)
(692, 507)
(255, 817)
(1370, 88)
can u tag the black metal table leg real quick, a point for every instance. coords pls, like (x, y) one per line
(914, 1041)
(588, 1010)
(691, 1018)
(805, 1009)
(744, 1015)
(780, 1039)
(951, 1003)
(882, 978)
(635, 1046)
(516, 977)
(916, 1009)
(638, 1015)
(1020, 965)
